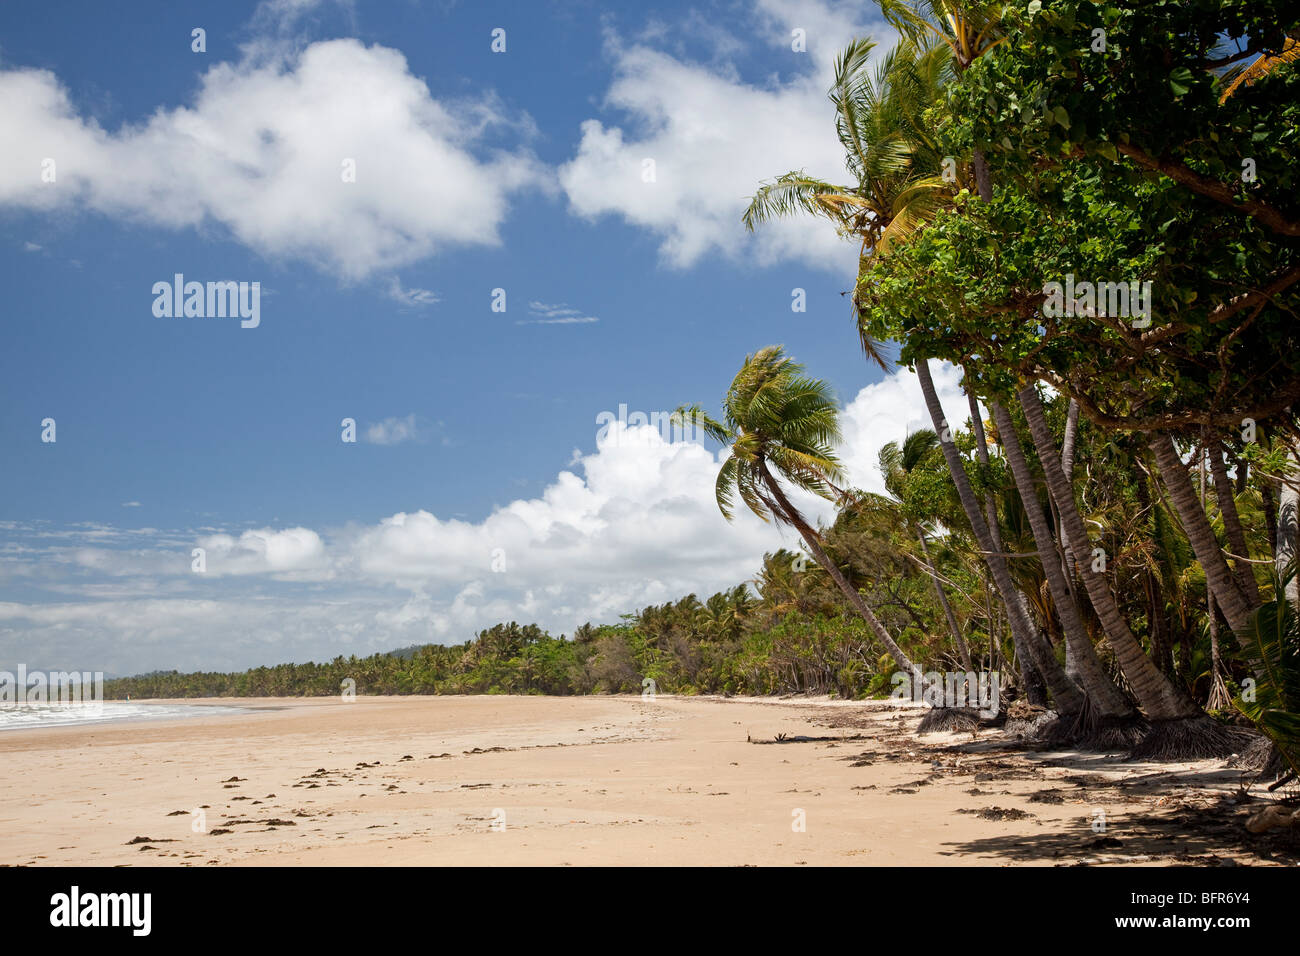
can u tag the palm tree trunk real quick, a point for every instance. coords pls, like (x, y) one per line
(1223, 494)
(1067, 466)
(1161, 633)
(790, 514)
(1173, 474)
(1270, 513)
(1288, 528)
(963, 650)
(1156, 694)
(1081, 661)
(1069, 698)
(1035, 688)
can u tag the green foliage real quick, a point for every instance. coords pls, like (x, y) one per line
(1272, 652)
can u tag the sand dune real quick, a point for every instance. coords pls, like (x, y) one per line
(596, 780)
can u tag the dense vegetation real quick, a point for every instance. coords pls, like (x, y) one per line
(1091, 208)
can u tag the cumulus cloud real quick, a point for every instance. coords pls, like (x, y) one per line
(713, 137)
(268, 149)
(264, 551)
(632, 523)
(890, 410)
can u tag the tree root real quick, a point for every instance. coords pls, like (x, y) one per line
(1115, 733)
(955, 719)
(1191, 738)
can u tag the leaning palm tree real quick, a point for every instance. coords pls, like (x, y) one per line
(881, 124)
(782, 425)
(888, 150)
(957, 32)
(897, 462)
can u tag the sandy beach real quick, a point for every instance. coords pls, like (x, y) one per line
(599, 780)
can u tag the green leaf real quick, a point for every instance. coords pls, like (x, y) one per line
(1180, 81)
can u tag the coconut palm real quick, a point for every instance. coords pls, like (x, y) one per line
(964, 29)
(1223, 496)
(1180, 726)
(782, 425)
(1030, 643)
(880, 122)
(888, 150)
(1082, 663)
(1225, 586)
(896, 464)
(968, 28)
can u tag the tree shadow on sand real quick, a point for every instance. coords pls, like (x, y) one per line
(1213, 836)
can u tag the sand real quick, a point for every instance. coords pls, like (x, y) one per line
(598, 780)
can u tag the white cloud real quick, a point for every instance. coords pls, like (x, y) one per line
(890, 410)
(262, 149)
(130, 504)
(410, 298)
(555, 315)
(714, 137)
(391, 431)
(264, 551)
(632, 523)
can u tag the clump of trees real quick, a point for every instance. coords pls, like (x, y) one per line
(1091, 209)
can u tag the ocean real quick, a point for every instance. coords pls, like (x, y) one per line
(29, 716)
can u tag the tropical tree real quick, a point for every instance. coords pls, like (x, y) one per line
(897, 464)
(782, 425)
(897, 168)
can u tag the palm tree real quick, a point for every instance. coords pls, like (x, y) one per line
(968, 28)
(1030, 643)
(1081, 659)
(965, 30)
(888, 150)
(880, 122)
(779, 422)
(1180, 727)
(1223, 496)
(1227, 590)
(896, 464)
(1026, 636)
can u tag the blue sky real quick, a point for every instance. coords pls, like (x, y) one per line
(475, 171)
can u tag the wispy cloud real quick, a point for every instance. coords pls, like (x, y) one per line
(392, 431)
(411, 298)
(555, 315)
(130, 504)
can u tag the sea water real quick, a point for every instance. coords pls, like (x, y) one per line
(29, 716)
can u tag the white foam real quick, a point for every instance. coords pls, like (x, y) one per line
(30, 716)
